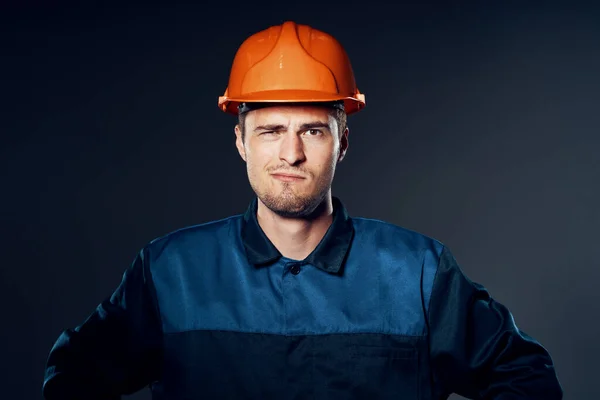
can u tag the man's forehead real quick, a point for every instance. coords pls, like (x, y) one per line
(289, 114)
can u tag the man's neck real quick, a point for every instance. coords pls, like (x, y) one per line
(296, 238)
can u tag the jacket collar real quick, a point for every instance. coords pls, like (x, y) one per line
(329, 255)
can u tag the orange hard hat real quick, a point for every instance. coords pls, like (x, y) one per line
(291, 63)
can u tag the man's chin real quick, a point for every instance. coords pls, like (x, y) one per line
(289, 210)
(291, 206)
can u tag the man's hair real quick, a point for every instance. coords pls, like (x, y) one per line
(339, 115)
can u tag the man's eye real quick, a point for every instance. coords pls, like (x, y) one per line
(314, 132)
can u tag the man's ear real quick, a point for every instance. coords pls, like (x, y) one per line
(343, 144)
(239, 143)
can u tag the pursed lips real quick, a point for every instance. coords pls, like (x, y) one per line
(287, 177)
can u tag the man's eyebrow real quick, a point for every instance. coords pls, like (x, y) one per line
(271, 127)
(314, 125)
(303, 127)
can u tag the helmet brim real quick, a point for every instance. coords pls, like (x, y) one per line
(230, 104)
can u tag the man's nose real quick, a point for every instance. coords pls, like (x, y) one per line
(292, 149)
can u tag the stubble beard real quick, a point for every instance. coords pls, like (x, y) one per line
(289, 204)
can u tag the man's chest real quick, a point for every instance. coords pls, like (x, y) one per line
(292, 331)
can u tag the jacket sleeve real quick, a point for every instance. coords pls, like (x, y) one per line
(476, 349)
(115, 351)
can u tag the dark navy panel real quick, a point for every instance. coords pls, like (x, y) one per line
(233, 365)
(204, 281)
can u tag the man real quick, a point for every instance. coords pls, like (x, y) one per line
(295, 299)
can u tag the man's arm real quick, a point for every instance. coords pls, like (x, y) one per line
(115, 351)
(477, 351)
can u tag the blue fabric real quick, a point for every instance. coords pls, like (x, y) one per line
(378, 292)
(376, 311)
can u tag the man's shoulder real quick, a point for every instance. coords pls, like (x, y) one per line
(191, 235)
(416, 252)
(386, 232)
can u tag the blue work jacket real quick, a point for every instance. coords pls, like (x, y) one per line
(376, 311)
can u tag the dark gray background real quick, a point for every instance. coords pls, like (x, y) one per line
(481, 130)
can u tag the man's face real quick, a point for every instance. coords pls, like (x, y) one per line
(291, 153)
